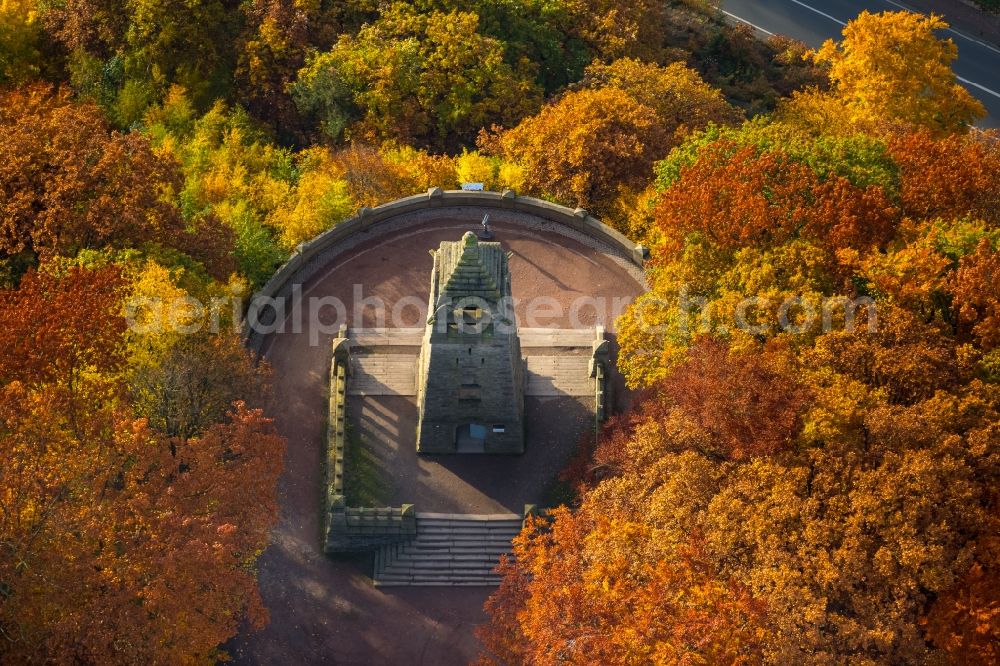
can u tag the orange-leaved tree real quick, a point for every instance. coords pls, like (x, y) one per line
(594, 587)
(873, 510)
(948, 177)
(965, 620)
(119, 544)
(628, 578)
(843, 475)
(681, 99)
(583, 147)
(976, 291)
(737, 196)
(68, 183)
(744, 222)
(617, 29)
(747, 404)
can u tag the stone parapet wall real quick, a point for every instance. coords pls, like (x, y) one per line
(357, 529)
(346, 528)
(600, 364)
(336, 434)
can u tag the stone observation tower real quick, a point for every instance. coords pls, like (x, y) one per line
(470, 376)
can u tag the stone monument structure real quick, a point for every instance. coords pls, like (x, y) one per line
(471, 375)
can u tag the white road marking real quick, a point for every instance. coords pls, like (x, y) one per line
(743, 20)
(957, 32)
(821, 13)
(839, 22)
(976, 85)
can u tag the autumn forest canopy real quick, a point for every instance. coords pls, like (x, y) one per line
(809, 493)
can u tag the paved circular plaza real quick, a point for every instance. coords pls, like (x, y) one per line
(325, 609)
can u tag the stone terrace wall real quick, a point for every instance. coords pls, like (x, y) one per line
(336, 434)
(349, 528)
(281, 282)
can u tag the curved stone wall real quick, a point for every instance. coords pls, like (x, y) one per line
(367, 218)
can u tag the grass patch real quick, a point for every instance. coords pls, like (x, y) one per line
(365, 483)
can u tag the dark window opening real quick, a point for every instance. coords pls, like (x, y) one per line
(471, 315)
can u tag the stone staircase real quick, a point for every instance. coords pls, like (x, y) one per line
(449, 549)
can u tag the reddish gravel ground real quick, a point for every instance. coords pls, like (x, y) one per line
(325, 610)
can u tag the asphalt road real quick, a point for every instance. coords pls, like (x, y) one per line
(814, 21)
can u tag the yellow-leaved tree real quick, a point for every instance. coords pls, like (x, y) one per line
(581, 149)
(20, 33)
(889, 69)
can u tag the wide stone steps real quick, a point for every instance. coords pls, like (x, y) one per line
(449, 549)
